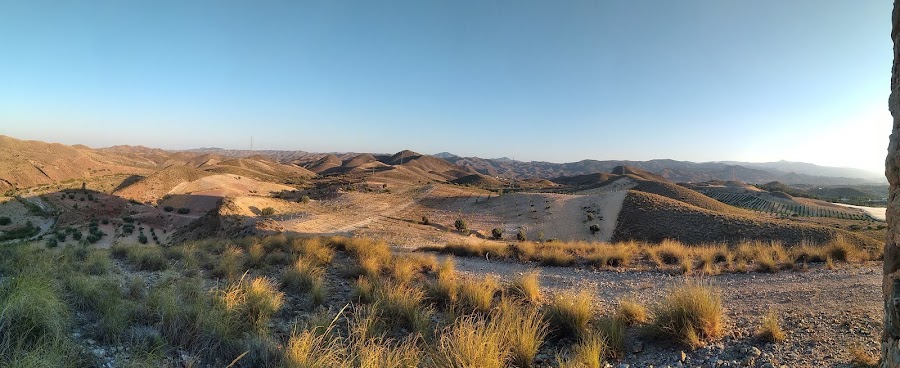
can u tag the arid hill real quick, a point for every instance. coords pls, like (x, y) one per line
(651, 217)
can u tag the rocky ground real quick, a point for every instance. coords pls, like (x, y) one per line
(823, 312)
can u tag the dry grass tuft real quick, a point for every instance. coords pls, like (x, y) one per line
(527, 287)
(478, 295)
(252, 304)
(569, 314)
(770, 330)
(860, 358)
(472, 341)
(691, 313)
(588, 353)
(631, 312)
(524, 330)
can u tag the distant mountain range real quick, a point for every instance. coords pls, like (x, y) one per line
(677, 171)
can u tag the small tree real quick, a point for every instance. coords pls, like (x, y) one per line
(497, 233)
(460, 225)
(521, 235)
(268, 211)
(595, 228)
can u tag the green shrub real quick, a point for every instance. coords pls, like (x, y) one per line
(266, 212)
(460, 225)
(497, 233)
(521, 236)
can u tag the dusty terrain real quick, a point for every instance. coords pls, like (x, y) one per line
(824, 312)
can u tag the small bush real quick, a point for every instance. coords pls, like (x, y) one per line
(168, 208)
(631, 312)
(425, 220)
(184, 211)
(402, 305)
(313, 348)
(587, 353)
(478, 296)
(444, 289)
(595, 228)
(691, 313)
(302, 275)
(770, 330)
(252, 303)
(524, 330)
(460, 225)
(266, 212)
(521, 236)
(5, 220)
(363, 290)
(147, 258)
(860, 358)
(472, 341)
(569, 314)
(497, 233)
(527, 287)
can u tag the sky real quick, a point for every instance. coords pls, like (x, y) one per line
(559, 81)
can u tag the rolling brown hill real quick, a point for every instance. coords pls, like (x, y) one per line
(26, 164)
(260, 168)
(478, 180)
(652, 217)
(156, 185)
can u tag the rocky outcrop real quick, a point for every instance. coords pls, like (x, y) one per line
(890, 340)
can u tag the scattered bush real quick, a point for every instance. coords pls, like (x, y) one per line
(460, 225)
(184, 211)
(497, 233)
(266, 212)
(521, 236)
(5, 220)
(595, 228)
(168, 208)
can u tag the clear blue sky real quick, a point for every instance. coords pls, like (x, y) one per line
(533, 80)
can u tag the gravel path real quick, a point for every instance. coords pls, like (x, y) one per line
(824, 312)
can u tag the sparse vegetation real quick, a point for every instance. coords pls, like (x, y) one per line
(266, 212)
(691, 313)
(183, 211)
(770, 329)
(497, 233)
(460, 225)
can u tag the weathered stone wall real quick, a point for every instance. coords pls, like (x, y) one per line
(890, 341)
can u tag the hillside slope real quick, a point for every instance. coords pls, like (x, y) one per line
(651, 217)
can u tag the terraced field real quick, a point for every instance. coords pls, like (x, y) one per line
(770, 204)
